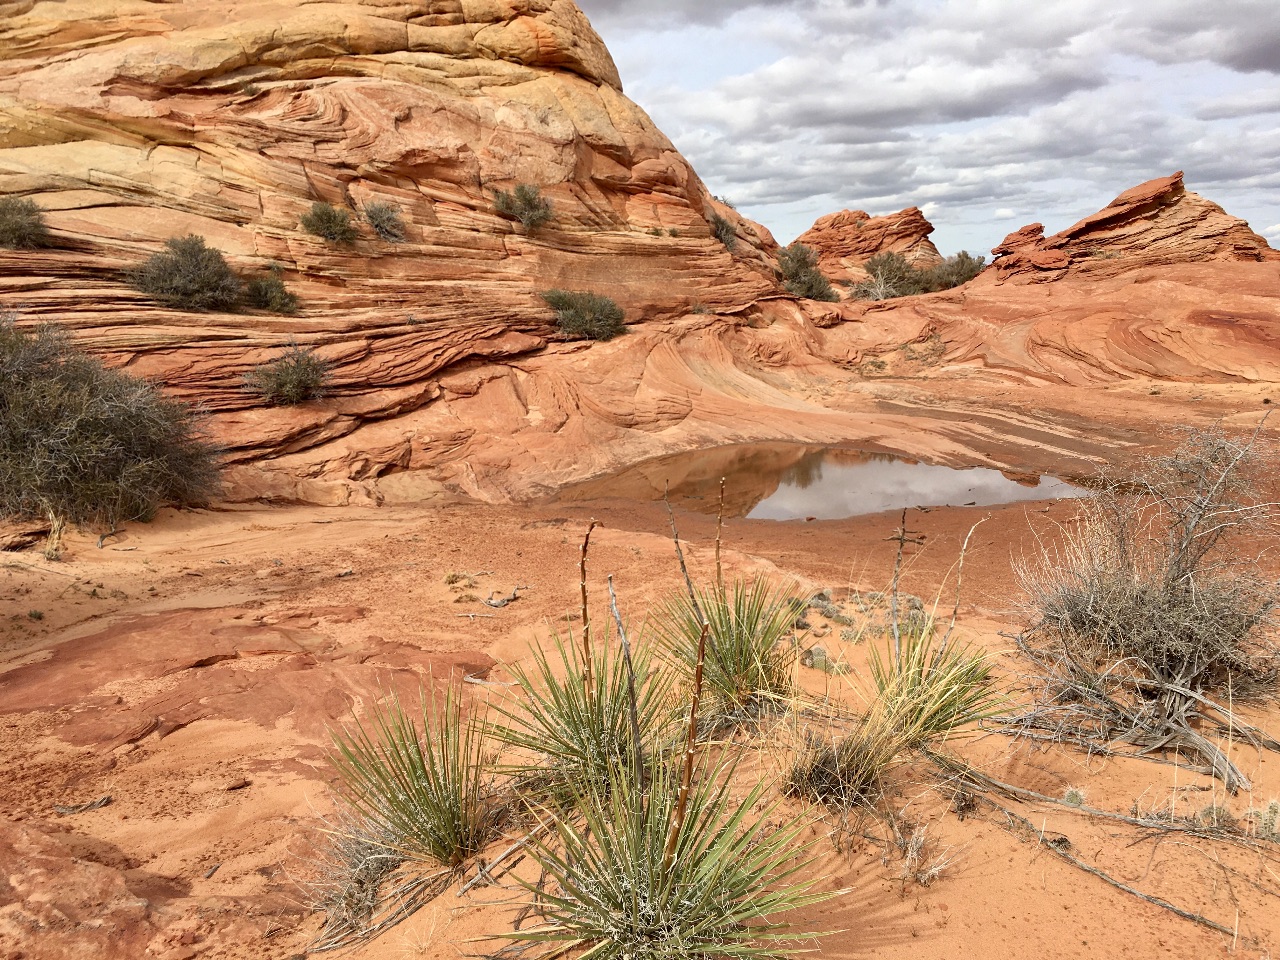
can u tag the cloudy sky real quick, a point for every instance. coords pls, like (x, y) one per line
(987, 114)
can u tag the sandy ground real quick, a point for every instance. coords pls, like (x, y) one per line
(191, 669)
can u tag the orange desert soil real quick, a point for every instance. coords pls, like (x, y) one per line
(191, 668)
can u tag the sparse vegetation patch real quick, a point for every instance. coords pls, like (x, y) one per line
(270, 293)
(585, 316)
(188, 275)
(386, 221)
(330, 223)
(22, 225)
(82, 444)
(296, 376)
(892, 275)
(526, 204)
(801, 276)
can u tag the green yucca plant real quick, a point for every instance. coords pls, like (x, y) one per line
(574, 726)
(429, 794)
(615, 892)
(931, 686)
(749, 668)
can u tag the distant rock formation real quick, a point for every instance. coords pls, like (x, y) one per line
(848, 239)
(1157, 222)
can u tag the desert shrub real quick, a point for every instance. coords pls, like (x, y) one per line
(330, 223)
(1144, 610)
(724, 231)
(296, 376)
(801, 276)
(574, 728)
(386, 221)
(585, 316)
(891, 275)
(526, 204)
(953, 271)
(22, 225)
(650, 873)
(270, 293)
(83, 444)
(187, 275)
(748, 668)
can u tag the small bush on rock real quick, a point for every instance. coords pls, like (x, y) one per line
(585, 316)
(327, 221)
(526, 204)
(385, 220)
(801, 276)
(724, 231)
(22, 225)
(187, 275)
(270, 293)
(86, 445)
(298, 375)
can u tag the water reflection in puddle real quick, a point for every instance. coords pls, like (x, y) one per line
(828, 487)
(791, 482)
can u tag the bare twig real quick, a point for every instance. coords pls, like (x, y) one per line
(632, 706)
(688, 581)
(686, 776)
(586, 617)
(719, 531)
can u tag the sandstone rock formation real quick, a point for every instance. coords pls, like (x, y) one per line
(848, 239)
(1157, 222)
(130, 123)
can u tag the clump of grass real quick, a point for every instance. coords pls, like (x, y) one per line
(270, 293)
(798, 265)
(86, 445)
(1073, 797)
(330, 223)
(35, 614)
(188, 275)
(296, 376)
(845, 771)
(924, 689)
(724, 231)
(585, 316)
(749, 669)
(574, 728)
(657, 872)
(386, 221)
(22, 225)
(526, 204)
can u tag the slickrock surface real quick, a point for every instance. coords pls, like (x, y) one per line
(848, 239)
(1154, 223)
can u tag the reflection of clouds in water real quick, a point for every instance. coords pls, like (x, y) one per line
(830, 491)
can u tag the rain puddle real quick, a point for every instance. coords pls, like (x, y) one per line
(792, 482)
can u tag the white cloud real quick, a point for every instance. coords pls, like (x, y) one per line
(985, 110)
(1271, 231)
